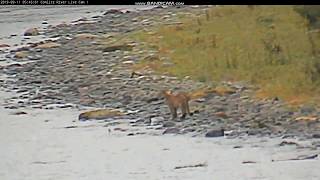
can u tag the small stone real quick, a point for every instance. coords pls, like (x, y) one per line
(33, 58)
(283, 143)
(253, 132)
(156, 120)
(4, 45)
(95, 17)
(316, 136)
(244, 97)
(21, 54)
(221, 114)
(31, 32)
(248, 162)
(215, 133)
(169, 124)
(172, 130)
(19, 113)
(120, 129)
(147, 121)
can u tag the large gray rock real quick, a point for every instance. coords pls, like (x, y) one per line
(217, 132)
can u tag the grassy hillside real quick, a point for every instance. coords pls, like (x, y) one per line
(270, 46)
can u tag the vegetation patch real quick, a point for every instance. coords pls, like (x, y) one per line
(272, 47)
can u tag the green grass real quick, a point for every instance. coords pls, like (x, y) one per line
(266, 45)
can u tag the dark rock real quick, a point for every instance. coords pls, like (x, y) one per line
(71, 127)
(11, 107)
(196, 112)
(218, 132)
(248, 162)
(19, 113)
(4, 45)
(172, 130)
(95, 17)
(315, 135)
(149, 100)
(169, 124)
(159, 128)
(120, 129)
(253, 132)
(283, 143)
(276, 99)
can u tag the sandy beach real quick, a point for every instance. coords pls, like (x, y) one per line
(38, 146)
(49, 144)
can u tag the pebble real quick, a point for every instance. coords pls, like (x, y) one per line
(169, 124)
(156, 120)
(172, 130)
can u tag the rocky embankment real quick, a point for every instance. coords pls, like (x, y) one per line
(89, 64)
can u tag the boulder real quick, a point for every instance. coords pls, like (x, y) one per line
(217, 132)
(99, 114)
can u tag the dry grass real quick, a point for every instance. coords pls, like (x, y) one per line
(266, 45)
